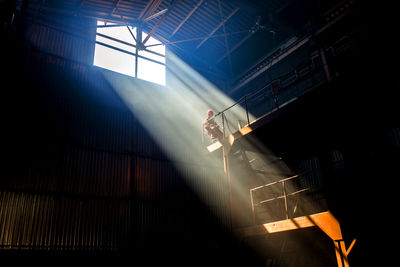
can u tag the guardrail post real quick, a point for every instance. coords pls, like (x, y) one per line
(223, 125)
(325, 65)
(247, 111)
(285, 198)
(252, 206)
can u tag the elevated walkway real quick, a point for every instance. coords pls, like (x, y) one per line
(262, 189)
(245, 131)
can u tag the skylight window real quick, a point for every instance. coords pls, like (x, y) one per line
(117, 50)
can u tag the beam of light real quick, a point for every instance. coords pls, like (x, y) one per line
(173, 116)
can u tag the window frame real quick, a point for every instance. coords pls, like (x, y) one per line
(135, 54)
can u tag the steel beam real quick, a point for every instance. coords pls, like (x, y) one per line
(236, 46)
(159, 22)
(115, 4)
(149, 8)
(225, 39)
(78, 7)
(216, 28)
(186, 18)
(272, 62)
(123, 19)
(159, 13)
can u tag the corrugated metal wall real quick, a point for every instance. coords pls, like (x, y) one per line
(70, 37)
(85, 175)
(39, 221)
(312, 177)
(181, 209)
(96, 173)
(61, 44)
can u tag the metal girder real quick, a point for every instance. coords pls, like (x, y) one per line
(123, 19)
(149, 8)
(186, 18)
(236, 46)
(198, 38)
(155, 15)
(78, 7)
(325, 221)
(160, 21)
(272, 62)
(225, 39)
(115, 4)
(216, 28)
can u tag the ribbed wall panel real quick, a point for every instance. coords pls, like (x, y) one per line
(337, 160)
(210, 185)
(163, 223)
(61, 43)
(395, 137)
(35, 171)
(84, 105)
(176, 201)
(96, 173)
(48, 222)
(104, 129)
(312, 178)
(96, 178)
(143, 143)
(157, 180)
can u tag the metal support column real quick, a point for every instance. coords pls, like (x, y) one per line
(225, 155)
(325, 65)
(286, 201)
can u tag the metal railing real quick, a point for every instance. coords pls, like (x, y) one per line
(273, 89)
(284, 196)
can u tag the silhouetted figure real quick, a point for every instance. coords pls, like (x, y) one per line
(212, 127)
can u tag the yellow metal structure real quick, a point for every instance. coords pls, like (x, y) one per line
(324, 220)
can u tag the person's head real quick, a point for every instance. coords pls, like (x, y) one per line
(210, 113)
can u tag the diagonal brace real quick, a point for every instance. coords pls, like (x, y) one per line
(216, 28)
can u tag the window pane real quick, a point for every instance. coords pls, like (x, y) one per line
(114, 60)
(116, 44)
(160, 49)
(121, 33)
(152, 56)
(124, 63)
(151, 71)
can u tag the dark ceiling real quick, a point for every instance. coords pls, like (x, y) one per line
(220, 38)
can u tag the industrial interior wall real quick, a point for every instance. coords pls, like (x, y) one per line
(83, 174)
(62, 36)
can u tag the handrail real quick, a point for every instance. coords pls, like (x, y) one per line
(276, 182)
(244, 98)
(284, 196)
(247, 96)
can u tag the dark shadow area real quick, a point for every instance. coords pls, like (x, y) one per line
(84, 181)
(304, 247)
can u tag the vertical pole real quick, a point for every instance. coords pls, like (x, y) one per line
(285, 198)
(223, 125)
(227, 172)
(325, 65)
(247, 111)
(252, 206)
(339, 256)
(139, 41)
(228, 178)
(226, 40)
(340, 251)
(202, 135)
